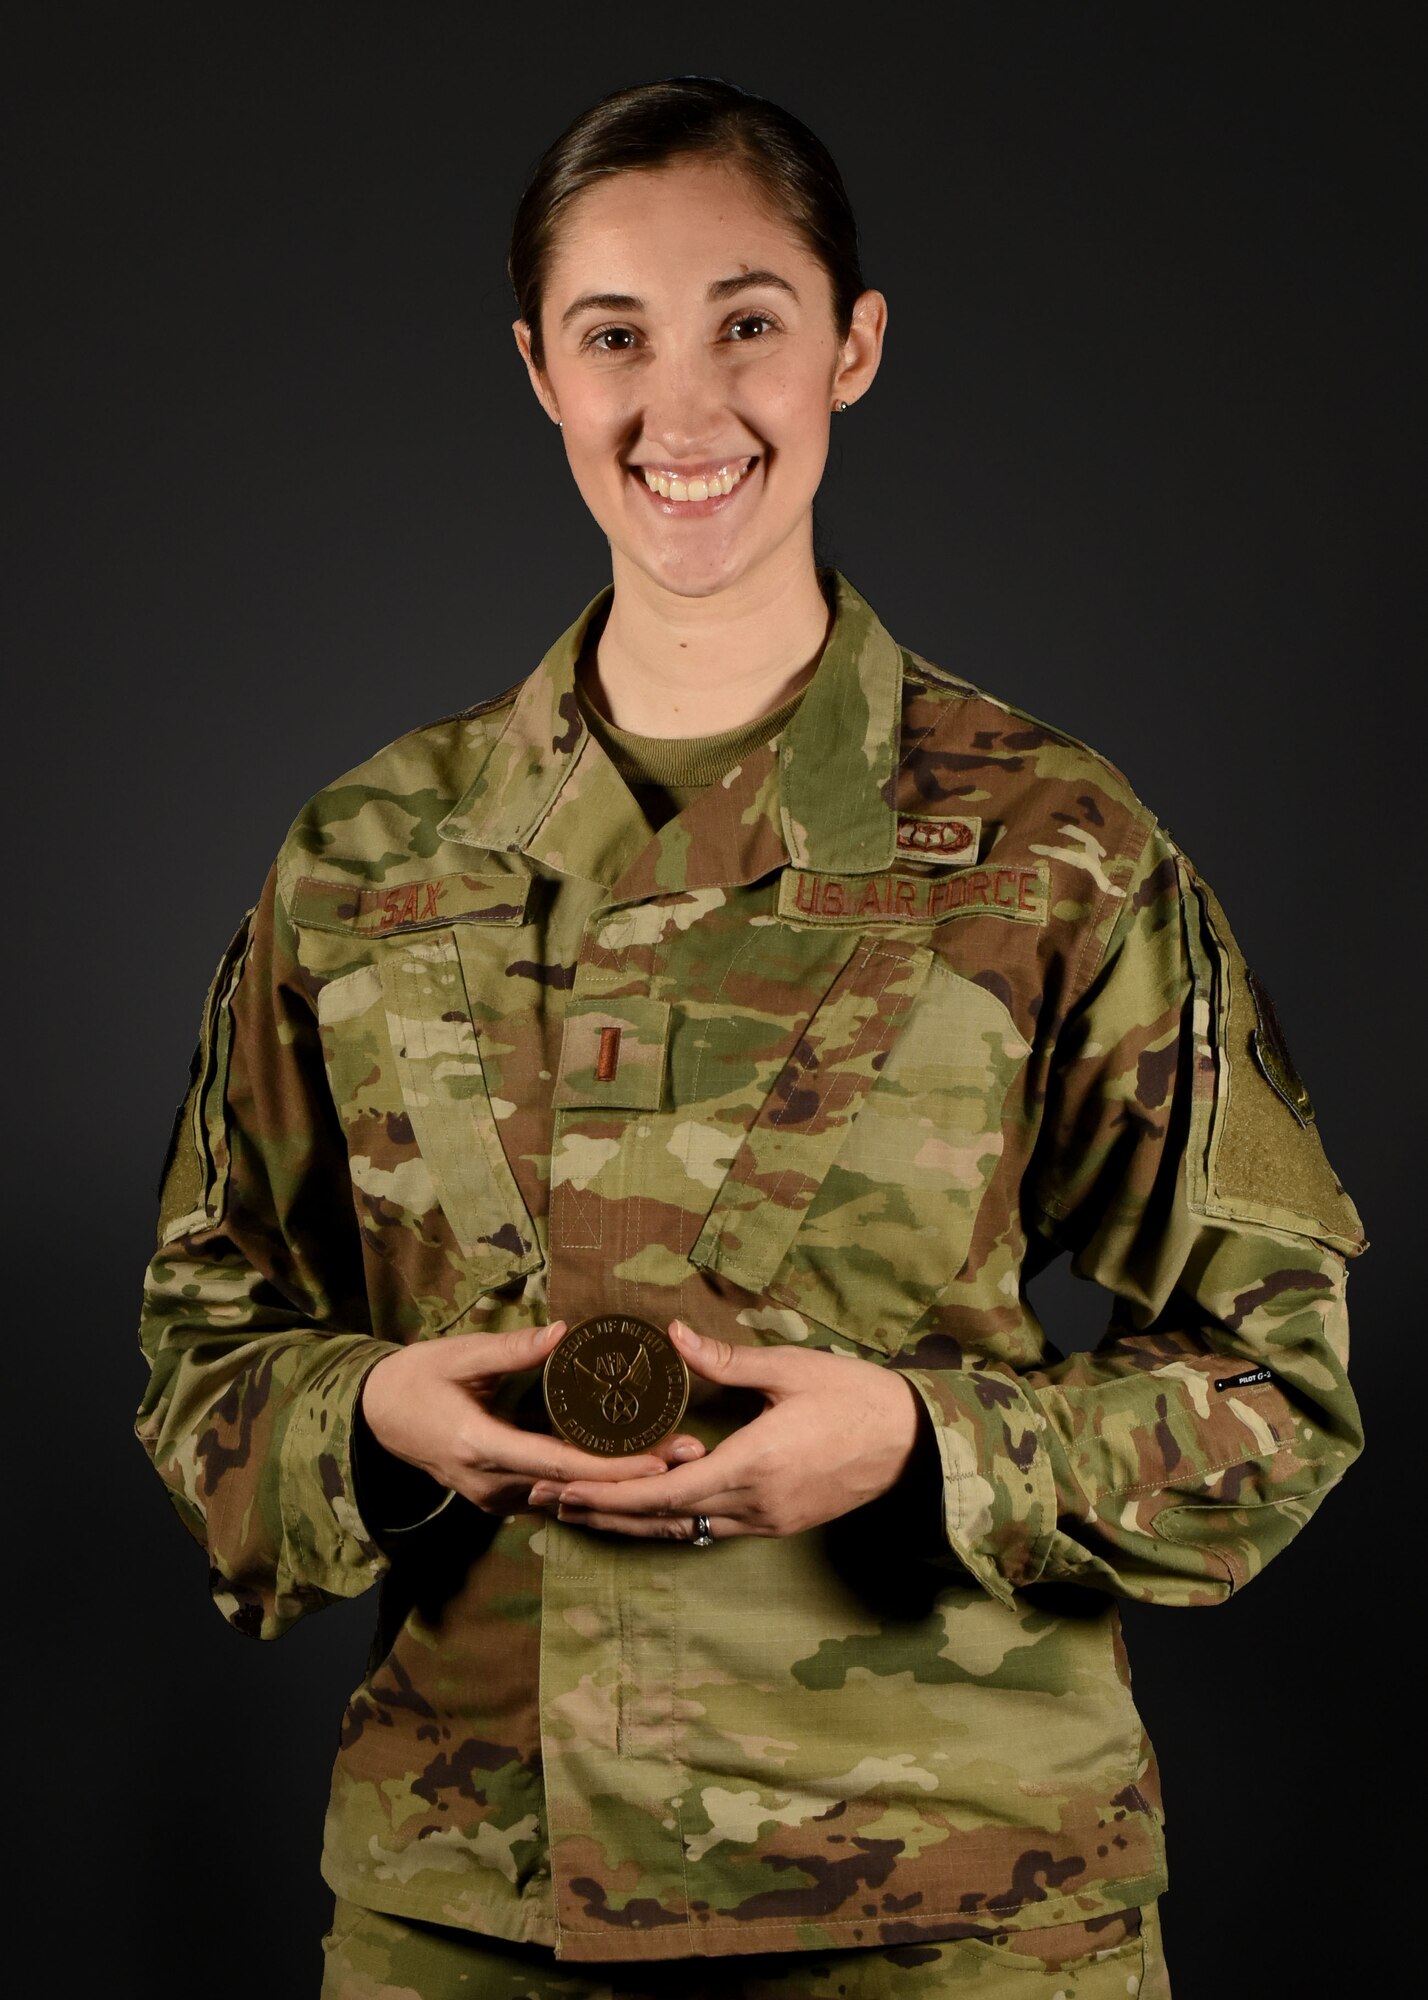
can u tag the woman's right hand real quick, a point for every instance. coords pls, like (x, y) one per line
(430, 1405)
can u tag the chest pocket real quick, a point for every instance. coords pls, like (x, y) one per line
(855, 1195)
(438, 1203)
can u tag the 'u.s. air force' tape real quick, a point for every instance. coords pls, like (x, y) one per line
(1017, 893)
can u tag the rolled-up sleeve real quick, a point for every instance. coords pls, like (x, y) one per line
(1179, 1163)
(254, 1319)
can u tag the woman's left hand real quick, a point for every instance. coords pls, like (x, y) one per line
(836, 1433)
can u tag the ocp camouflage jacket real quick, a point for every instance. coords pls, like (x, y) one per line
(916, 998)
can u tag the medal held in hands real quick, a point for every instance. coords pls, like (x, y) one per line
(615, 1385)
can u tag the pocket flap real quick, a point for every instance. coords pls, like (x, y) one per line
(803, 1122)
(1255, 1154)
(409, 906)
(438, 1056)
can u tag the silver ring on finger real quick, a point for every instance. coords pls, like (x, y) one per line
(701, 1538)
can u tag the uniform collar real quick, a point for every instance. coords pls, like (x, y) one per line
(820, 797)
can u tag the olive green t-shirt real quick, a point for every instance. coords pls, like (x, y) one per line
(666, 772)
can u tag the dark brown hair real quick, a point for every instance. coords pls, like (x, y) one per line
(650, 124)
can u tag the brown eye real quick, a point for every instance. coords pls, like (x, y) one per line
(749, 319)
(605, 333)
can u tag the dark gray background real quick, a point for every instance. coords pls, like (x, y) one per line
(1144, 457)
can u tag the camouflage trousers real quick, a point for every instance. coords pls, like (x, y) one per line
(373, 1956)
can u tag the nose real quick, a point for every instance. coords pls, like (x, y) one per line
(686, 401)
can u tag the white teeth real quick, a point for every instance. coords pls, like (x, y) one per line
(671, 487)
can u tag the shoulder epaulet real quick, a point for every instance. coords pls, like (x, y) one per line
(939, 674)
(474, 712)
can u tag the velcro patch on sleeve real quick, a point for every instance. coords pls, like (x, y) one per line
(409, 906)
(194, 1179)
(951, 840)
(1271, 1052)
(1255, 1151)
(1016, 893)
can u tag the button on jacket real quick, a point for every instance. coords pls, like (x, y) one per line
(914, 998)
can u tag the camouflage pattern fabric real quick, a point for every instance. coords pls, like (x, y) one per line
(373, 1956)
(866, 1087)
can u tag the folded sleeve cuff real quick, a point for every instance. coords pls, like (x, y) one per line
(327, 1546)
(999, 1492)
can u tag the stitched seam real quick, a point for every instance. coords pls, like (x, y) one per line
(848, 1923)
(855, 965)
(749, 945)
(626, 1677)
(631, 1213)
(659, 975)
(915, 744)
(416, 1031)
(505, 1189)
(1206, 1472)
(587, 1214)
(502, 1209)
(871, 1019)
(677, 1682)
(1078, 984)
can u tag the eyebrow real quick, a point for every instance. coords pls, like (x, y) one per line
(722, 288)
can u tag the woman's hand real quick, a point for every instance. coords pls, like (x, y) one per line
(429, 1405)
(836, 1433)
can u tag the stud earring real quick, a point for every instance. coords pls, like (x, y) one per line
(839, 408)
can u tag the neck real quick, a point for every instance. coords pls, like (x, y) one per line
(666, 665)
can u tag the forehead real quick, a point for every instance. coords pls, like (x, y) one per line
(672, 222)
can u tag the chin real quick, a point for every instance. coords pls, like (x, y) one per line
(691, 575)
(700, 582)
(691, 572)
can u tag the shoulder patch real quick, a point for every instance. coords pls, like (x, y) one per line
(1255, 1150)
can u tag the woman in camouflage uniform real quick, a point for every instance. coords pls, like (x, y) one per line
(743, 971)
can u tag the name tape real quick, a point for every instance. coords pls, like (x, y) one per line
(409, 906)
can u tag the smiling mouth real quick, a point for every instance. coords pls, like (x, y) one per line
(685, 490)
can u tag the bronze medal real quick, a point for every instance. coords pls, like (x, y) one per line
(616, 1385)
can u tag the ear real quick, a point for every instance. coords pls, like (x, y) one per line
(537, 379)
(861, 352)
